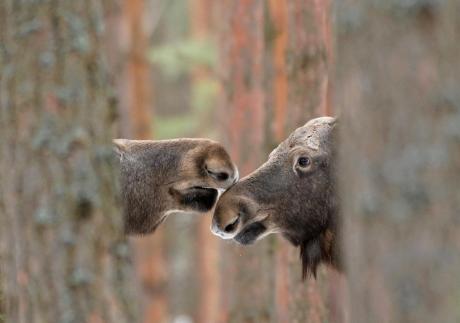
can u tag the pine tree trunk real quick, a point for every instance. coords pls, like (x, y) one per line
(301, 61)
(136, 106)
(247, 287)
(208, 273)
(296, 55)
(64, 255)
(398, 85)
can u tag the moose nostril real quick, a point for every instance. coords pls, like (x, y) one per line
(229, 228)
(220, 176)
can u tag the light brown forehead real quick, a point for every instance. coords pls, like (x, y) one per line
(311, 136)
(307, 137)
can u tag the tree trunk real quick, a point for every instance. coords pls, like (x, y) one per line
(301, 61)
(309, 60)
(247, 286)
(64, 255)
(208, 246)
(398, 83)
(136, 103)
(297, 36)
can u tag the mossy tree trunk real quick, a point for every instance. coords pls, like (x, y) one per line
(64, 255)
(398, 83)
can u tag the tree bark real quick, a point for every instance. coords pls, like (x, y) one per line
(400, 158)
(299, 34)
(208, 246)
(64, 255)
(295, 51)
(247, 286)
(309, 60)
(136, 111)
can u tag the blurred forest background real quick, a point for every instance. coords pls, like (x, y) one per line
(75, 74)
(245, 73)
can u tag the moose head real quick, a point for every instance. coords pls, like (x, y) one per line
(293, 193)
(162, 177)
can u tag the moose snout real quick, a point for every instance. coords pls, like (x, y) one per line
(225, 222)
(230, 216)
(227, 216)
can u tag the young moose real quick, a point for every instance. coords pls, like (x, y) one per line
(293, 193)
(168, 176)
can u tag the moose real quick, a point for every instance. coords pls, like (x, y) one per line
(161, 177)
(292, 193)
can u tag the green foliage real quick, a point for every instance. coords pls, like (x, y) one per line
(204, 94)
(183, 56)
(173, 127)
(181, 59)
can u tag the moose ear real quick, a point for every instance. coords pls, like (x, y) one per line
(120, 147)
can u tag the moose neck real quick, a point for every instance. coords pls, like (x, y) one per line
(321, 249)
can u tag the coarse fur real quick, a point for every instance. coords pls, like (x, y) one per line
(293, 193)
(169, 176)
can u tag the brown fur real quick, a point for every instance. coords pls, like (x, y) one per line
(165, 176)
(282, 196)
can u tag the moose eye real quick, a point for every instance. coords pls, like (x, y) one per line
(303, 161)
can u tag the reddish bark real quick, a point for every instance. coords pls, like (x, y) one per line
(136, 102)
(247, 291)
(278, 10)
(208, 262)
(302, 60)
(309, 54)
(137, 86)
(242, 80)
(208, 245)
